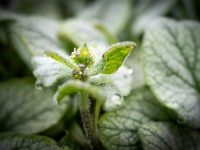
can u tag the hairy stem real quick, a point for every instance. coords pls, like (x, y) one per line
(87, 119)
(96, 116)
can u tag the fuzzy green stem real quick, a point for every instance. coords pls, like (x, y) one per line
(87, 119)
(96, 116)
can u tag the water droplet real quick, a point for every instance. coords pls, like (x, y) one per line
(116, 100)
(130, 71)
(39, 86)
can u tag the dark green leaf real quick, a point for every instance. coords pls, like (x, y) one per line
(23, 142)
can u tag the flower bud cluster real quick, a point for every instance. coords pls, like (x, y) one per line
(83, 58)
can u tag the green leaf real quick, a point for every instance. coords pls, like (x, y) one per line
(165, 136)
(80, 32)
(96, 68)
(116, 55)
(27, 110)
(171, 59)
(22, 142)
(105, 11)
(62, 58)
(78, 86)
(118, 129)
(31, 36)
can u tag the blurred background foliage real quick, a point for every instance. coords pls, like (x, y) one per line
(126, 20)
(118, 20)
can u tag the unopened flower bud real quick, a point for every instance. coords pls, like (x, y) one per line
(81, 65)
(77, 53)
(74, 72)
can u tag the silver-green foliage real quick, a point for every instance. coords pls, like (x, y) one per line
(25, 109)
(22, 142)
(171, 59)
(166, 136)
(118, 129)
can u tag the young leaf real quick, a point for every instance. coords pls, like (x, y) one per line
(78, 86)
(96, 68)
(118, 129)
(171, 59)
(31, 142)
(116, 55)
(165, 136)
(27, 110)
(62, 58)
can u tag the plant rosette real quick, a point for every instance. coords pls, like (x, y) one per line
(84, 62)
(91, 60)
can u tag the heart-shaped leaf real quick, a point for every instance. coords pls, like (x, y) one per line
(116, 55)
(27, 110)
(165, 136)
(118, 129)
(172, 66)
(31, 142)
